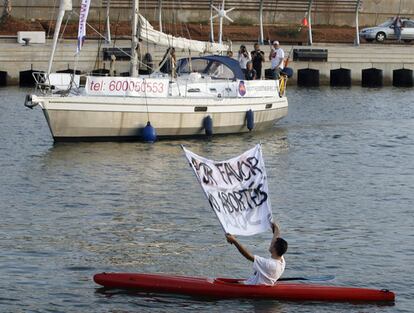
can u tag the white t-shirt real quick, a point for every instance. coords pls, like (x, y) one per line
(243, 60)
(277, 56)
(267, 271)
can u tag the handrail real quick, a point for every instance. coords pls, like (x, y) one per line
(335, 6)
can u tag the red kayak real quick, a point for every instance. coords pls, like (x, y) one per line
(234, 288)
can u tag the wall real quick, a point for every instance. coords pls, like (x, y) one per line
(15, 58)
(373, 12)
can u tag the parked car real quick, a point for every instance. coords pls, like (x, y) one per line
(385, 31)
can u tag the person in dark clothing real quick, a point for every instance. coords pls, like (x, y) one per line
(250, 73)
(258, 57)
(147, 66)
(397, 24)
(168, 62)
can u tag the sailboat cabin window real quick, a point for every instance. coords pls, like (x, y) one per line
(197, 65)
(220, 71)
(212, 68)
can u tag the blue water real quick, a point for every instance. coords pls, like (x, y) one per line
(341, 175)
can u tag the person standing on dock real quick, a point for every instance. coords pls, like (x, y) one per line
(276, 57)
(243, 57)
(258, 57)
(397, 24)
(266, 271)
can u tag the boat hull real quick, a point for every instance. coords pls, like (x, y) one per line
(233, 288)
(72, 119)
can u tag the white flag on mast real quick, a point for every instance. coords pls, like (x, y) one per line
(236, 190)
(83, 16)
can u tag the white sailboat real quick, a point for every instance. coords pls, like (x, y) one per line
(208, 95)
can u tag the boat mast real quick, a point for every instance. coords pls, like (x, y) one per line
(134, 40)
(65, 5)
(160, 14)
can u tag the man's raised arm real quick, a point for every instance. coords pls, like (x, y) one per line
(244, 252)
(275, 230)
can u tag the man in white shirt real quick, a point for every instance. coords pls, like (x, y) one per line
(243, 57)
(267, 271)
(276, 57)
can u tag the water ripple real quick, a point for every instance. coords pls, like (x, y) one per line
(341, 185)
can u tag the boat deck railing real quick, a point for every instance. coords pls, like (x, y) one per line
(56, 83)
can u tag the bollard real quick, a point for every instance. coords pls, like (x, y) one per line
(3, 78)
(308, 77)
(26, 78)
(402, 78)
(372, 78)
(340, 77)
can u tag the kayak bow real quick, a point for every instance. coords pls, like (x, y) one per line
(234, 288)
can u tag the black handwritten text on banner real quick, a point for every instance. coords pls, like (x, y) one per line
(236, 190)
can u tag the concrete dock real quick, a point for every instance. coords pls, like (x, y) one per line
(387, 57)
(15, 57)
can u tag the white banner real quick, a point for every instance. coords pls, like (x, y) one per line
(236, 190)
(257, 88)
(127, 86)
(83, 16)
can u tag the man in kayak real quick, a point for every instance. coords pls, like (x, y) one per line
(266, 271)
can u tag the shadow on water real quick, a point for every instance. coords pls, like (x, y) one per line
(89, 152)
(189, 301)
(340, 180)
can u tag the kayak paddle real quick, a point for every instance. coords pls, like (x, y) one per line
(316, 278)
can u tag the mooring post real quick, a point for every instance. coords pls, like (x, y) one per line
(261, 40)
(357, 42)
(310, 41)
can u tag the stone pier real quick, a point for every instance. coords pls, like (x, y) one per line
(15, 57)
